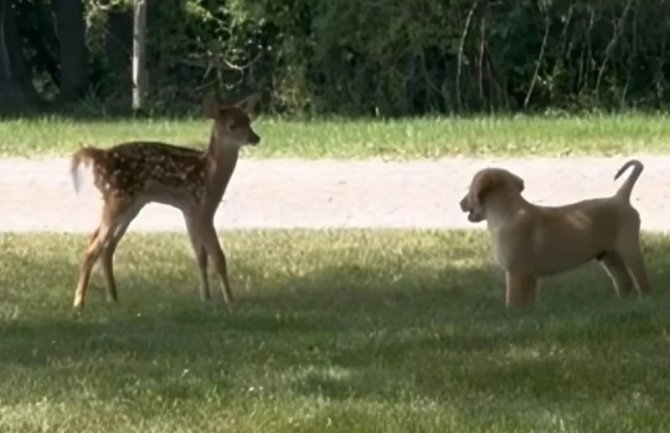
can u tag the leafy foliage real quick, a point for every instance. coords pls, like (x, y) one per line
(390, 57)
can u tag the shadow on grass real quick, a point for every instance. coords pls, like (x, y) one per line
(386, 329)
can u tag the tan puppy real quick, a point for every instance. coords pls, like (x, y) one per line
(531, 241)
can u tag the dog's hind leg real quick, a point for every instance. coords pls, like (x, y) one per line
(615, 268)
(634, 262)
(521, 289)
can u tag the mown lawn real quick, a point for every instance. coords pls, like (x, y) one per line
(397, 139)
(344, 331)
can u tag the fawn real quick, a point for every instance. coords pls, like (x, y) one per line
(131, 175)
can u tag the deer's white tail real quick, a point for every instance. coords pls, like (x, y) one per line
(86, 156)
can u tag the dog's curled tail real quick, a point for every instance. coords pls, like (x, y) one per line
(628, 185)
(86, 156)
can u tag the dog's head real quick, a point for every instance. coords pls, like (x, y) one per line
(484, 183)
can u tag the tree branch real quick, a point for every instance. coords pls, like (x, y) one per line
(480, 61)
(461, 47)
(540, 58)
(610, 47)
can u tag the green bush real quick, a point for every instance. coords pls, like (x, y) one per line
(399, 57)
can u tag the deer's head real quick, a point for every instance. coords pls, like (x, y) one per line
(232, 123)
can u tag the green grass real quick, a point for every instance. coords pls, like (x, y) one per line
(343, 331)
(397, 139)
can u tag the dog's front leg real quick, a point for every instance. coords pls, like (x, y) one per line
(521, 289)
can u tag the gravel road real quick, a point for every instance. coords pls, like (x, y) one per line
(37, 195)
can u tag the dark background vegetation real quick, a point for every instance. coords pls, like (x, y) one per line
(343, 57)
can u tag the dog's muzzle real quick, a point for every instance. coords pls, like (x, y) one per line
(473, 216)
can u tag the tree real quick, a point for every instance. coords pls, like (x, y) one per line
(15, 87)
(72, 38)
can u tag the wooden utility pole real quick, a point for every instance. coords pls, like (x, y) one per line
(140, 79)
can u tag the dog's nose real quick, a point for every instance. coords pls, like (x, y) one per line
(464, 204)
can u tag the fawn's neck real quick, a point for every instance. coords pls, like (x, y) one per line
(220, 165)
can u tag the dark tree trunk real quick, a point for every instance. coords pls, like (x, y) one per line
(16, 91)
(40, 34)
(119, 47)
(72, 38)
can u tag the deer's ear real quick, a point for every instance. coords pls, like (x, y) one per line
(211, 106)
(249, 104)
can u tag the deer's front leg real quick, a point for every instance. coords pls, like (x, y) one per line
(200, 257)
(210, 241)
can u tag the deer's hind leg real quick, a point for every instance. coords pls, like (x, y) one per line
(108, 249)
(115, 212)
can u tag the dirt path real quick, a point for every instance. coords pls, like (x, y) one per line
(37, 195)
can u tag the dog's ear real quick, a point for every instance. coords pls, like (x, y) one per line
(482, 185)
(518, 182)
